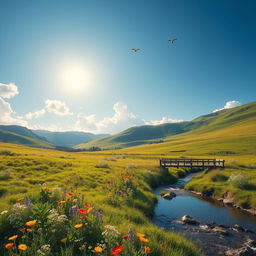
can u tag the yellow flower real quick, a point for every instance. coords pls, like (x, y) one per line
(64, 240)
(98, 249)
(73, 207)
(45, 188)
(31, 223)
(89, 210)
(78, 225)
(22, 247)
(143, 239)
(140, 235)
(12, 238)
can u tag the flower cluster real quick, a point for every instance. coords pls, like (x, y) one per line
(66, 226)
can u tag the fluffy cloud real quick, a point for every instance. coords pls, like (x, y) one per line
(52, 106)
(36, 114)
(228, 105)
(164, 120)
(8, 90)
(121, 119)
(6, 113)
(57, 107)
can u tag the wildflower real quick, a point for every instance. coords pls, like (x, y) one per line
(89, 210)
(54, 230)
(82, 211)
(125, 236)
(31, 223)
(70, 194)
(147, 249)
(22, 247)
(82, 247)
(98, 249)
(86, 204)
(29, 230)
(64, 240)
(4, 212)
(61, 202)
(20, 199)
(45, 188)
(12, 238)
(9, 245)
(78, 225)
(74, 207)
(143, 239)
(39, 229)
(22, 229)
(117, 250)
(140, 235)
(75, 200)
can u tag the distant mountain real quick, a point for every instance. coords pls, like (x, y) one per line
(21, 135)
(67, 139)
(149, 134)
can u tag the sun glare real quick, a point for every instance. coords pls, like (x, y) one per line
(74, 77)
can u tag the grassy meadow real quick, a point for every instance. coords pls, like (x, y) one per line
(114, 185)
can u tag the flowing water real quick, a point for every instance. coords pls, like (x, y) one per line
(167, 212)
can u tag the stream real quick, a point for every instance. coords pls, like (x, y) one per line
(207, 212)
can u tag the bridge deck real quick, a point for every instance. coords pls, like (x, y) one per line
(185, 162)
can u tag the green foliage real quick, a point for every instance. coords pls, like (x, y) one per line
(238, 180)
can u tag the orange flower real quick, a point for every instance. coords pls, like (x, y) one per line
(89, 210)
(29, 230)
(22, 247)
(82, 247)
(12, 238)
(9, 245)
(140, 235)
(143, 239)
(54, 230)
(147, 249)
(78, 225)
(22, 229)
(98, 249)
(70, 194)
(31, 223)
(82, 211)
(45, 188)
(20, 199)
(64, 240)
(61, 202)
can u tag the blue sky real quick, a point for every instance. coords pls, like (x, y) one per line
(73, 67)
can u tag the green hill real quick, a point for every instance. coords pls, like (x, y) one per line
(67, 139)
(11, 137)
(242, 118)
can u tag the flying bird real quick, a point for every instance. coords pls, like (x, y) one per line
(172, 40)
(135, 49)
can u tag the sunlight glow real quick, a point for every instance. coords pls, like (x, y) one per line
(74, 77)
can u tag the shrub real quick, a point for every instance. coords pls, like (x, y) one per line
(5, 175)
(131, 166)
(239, 180)
(102, 164)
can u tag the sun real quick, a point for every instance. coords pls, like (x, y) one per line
(74, 77)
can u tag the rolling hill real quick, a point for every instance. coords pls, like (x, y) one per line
(21, 135)
(67, 139)
(230, 127)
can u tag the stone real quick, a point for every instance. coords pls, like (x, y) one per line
(169, 196)
(220, 230)
(244, 251)
(238, 228)
(188, 220)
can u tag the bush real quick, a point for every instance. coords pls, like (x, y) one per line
(239, 181)
(5, 175)
(102, 164)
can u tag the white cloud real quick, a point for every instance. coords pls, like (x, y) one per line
(36, 114)
(164, 120)
(6, 113)
(57, 107)
(228, 105)
(121, 120)
(8, 90)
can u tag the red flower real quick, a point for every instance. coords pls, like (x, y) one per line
(70, 194)
(117, 250)
(82, 211)
(86, 204)
(125, 236)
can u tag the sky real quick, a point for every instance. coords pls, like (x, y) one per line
(68, 65)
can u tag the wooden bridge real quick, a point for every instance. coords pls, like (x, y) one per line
(186, 162)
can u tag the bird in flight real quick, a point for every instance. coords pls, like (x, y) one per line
(172, 40)
(135, 49)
